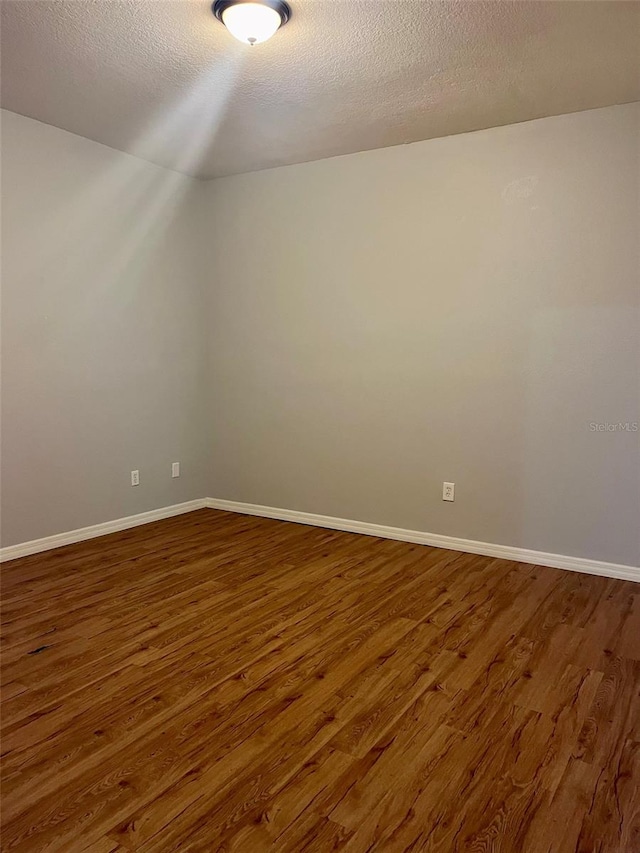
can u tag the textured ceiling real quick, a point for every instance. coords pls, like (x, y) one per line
(162, 79)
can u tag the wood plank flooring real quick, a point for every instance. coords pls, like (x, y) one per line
(216, 682)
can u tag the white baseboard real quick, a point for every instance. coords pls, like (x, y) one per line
(24, 549)
(435, 540)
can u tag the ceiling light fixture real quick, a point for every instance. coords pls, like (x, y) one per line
(252, 21)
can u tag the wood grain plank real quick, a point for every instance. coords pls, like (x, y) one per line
(228, 683)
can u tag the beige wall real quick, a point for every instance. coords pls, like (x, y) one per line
(102, 344)
(461, 309)
(338, 337)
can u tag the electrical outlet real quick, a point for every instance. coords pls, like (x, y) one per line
(175, 469)
(448, 491)
(135, 478)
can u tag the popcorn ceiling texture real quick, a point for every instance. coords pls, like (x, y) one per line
(166, 82)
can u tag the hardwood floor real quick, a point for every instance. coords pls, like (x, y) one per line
(216, 682)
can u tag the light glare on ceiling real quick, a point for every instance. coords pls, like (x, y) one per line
(252, 22)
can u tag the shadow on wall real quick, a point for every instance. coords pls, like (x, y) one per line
(571, 351)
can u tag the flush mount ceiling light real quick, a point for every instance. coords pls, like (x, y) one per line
(252, 21)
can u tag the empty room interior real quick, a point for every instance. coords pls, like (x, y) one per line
(320, 397)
